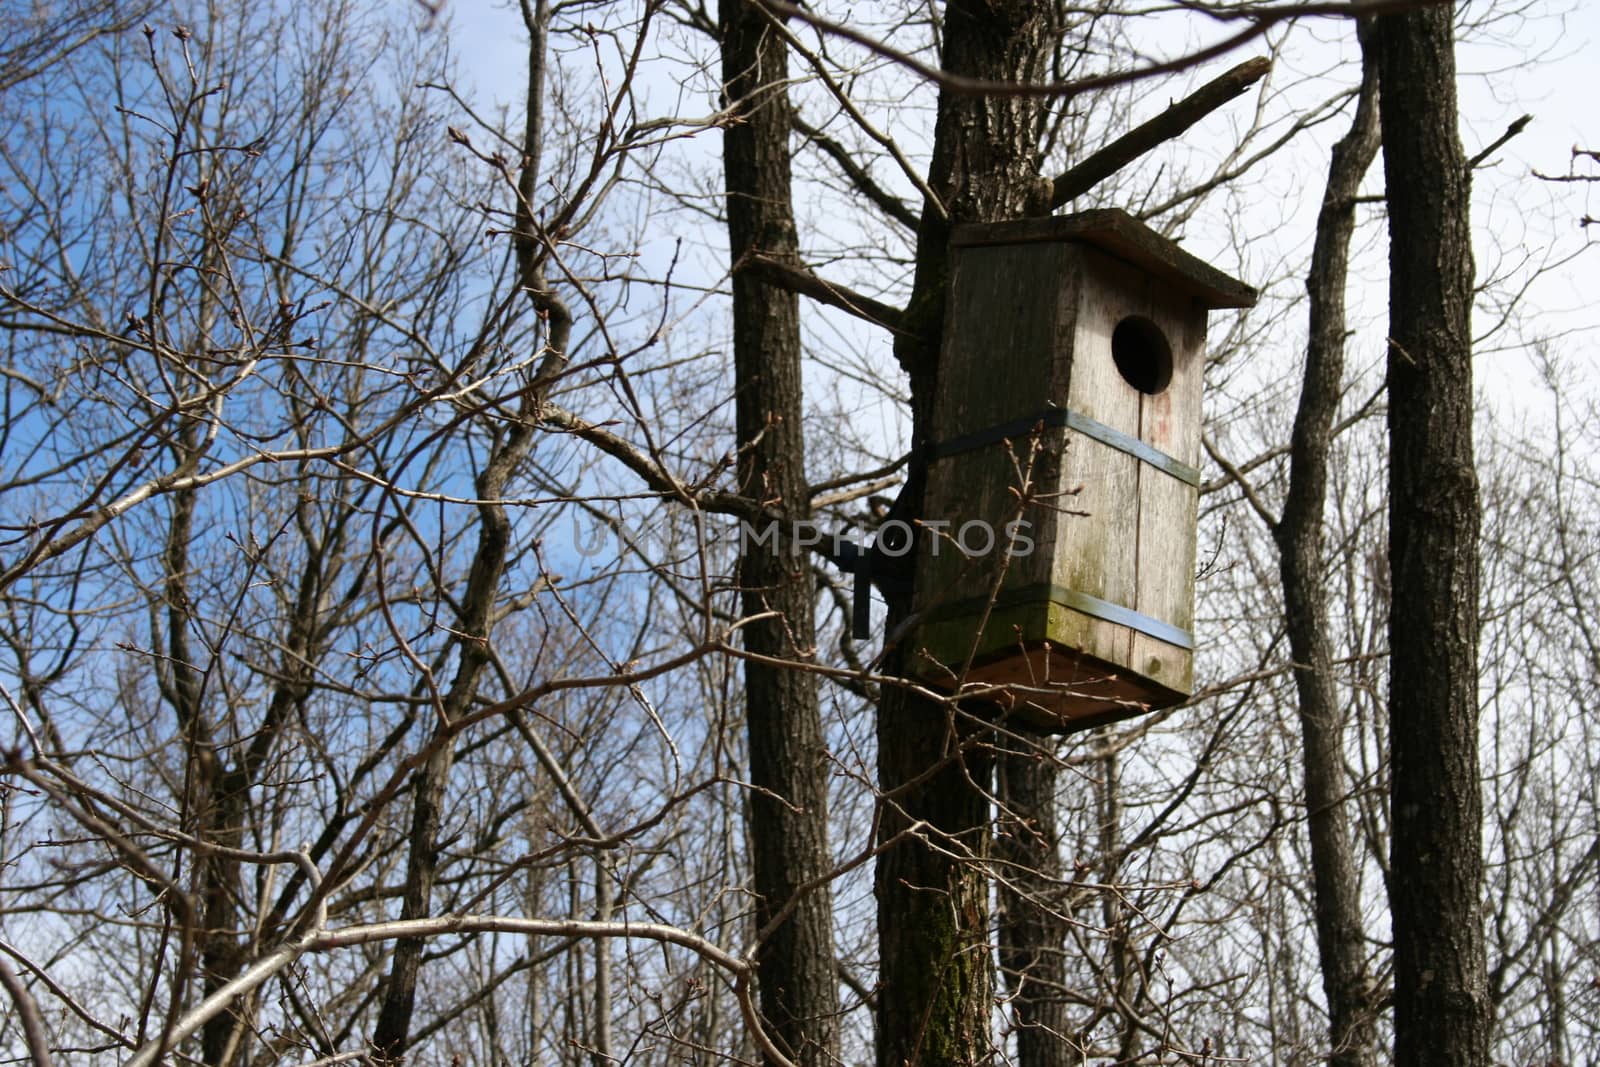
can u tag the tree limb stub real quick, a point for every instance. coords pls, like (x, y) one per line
(1164, 127)
(799, 280)
(1498, 143)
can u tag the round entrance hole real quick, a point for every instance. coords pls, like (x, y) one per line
(1142, 354)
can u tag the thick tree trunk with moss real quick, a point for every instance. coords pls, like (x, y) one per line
(788, 766)
(1441, 1004)
(934, 766)
(1341, 939)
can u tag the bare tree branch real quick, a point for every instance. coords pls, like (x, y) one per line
(33, 1031)
(1164, 127)
(799, 280)
(327, 940)
(1261, 18)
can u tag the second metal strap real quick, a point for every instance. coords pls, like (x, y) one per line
(1053, 418)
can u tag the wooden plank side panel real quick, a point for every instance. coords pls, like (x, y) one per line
(1096, 545)
(980, 488)
(1097, 548)
(1000, 353)
(1166, 577)
(1170, 420)
(1191, 362)
(1001, 363)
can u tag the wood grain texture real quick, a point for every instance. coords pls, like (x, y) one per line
(1034, 305)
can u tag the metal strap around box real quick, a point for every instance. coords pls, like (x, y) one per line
(1054, 418)
(1084, 603)
(1106, 611)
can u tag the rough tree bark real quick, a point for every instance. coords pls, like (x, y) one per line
(934, 768)
(1031, 927)
(1441, 1004)
(788, 808)
(1341, 942)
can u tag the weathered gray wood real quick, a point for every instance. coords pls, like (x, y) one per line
(1119, 233)
(1097, 551)
(997, 370)
(1170, 421)
(1033, 310)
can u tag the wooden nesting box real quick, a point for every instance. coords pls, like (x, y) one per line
(1086, 335)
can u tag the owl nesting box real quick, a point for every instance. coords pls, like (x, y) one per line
(1072, 362)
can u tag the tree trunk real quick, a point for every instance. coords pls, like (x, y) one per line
(1341, 943)
(934, 767)
(788, 756)
(391, 1034)
(475, 620)
(1442, 1009)
(1032, 929)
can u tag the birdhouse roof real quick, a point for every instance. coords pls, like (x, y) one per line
(1119, 234)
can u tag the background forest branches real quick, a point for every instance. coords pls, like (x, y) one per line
(370, 476)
